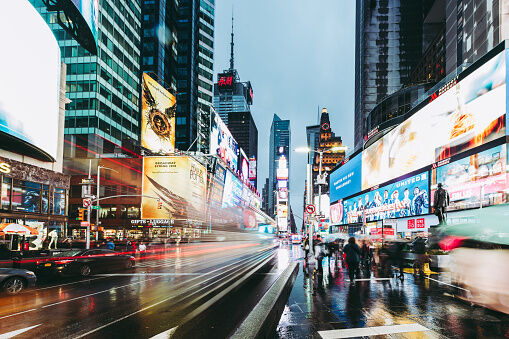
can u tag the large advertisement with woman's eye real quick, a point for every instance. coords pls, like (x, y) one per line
(468, 114)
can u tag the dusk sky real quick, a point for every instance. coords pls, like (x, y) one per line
(298, 55)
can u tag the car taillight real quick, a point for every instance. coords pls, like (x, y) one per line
(62, 262)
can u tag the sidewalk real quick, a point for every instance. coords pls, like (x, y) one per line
(332, 307)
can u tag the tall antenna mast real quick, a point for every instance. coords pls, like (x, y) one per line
(231, 45)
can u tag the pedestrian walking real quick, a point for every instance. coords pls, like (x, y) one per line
(440, 203)
(142, 248)
(352, 253)
(110, 245)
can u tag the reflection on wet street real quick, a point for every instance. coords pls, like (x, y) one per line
(143, 302)
(323, 307)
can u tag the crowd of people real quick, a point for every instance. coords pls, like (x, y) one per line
(361, 258)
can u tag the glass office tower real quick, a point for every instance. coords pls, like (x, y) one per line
(388, 44)
(279, 145)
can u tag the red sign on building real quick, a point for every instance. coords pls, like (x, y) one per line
(225, 81)
(420, 223)
(411, 223)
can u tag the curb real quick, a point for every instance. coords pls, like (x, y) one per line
(263, 319)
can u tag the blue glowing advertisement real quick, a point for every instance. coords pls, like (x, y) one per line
(346, 180)
(232, 196)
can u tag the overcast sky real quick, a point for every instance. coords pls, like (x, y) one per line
(298, 55)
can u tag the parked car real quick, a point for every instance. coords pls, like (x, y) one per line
(86, 262)
(15, 280)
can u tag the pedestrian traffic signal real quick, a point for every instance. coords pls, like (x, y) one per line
(81, 214)
(159, 204)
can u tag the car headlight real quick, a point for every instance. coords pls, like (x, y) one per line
(30, 273)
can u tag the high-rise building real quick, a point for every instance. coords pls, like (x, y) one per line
(159, 41)
(330, 158)
(279, 148)
(388, 44)
(195, 65)
(243, 129)
(265, 196)
(313, 139)
(230, 94)
(102, 119)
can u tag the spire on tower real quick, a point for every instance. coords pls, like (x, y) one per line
(231, 45)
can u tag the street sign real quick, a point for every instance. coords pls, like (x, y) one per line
(87, 181)
(87, 202)
(310, 209)
(96, 207)
(90, 196)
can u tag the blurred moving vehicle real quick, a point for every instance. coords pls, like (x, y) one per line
(86, 262)
(479, 257)
(15, 280)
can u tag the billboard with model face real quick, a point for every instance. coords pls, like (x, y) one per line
(157, 117)
(480, 177)
(180, 183)
(467, 115)
(30, 79)
(404, 198)
(222, 143)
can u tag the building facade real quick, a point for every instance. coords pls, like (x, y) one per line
(243, 129)
(279, 147)
(160, 41)
(330, 158)
(195, 66)
(388, 44)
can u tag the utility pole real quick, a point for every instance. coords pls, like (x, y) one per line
(89, 206)
(309, 199)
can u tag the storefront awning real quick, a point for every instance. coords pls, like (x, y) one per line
(10, 228)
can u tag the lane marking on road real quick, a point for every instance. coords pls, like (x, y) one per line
(143, 274)
(17, 332)
(14, 314)
(372, 331)
(166, 334)
(371, 279)
(70, 283)
(104, 291)
(444, 283)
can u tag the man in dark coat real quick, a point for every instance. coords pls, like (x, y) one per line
(353, 255)
(440, 203)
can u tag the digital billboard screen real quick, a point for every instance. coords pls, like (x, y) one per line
(346, 180)
(404, 198)
(232, 196)
(30, 85)
(222, 143)
(89, 9)
(481, 176)
(157, 117)
(469, 114)
(252, 168)
(216, 196)
(179, 182)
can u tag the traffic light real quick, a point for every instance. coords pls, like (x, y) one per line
(159, 204)
(81, 214)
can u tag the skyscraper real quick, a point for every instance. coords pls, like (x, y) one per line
(104, 90)
(388, 44)
(230, 94)
(195, 65)
(160, 41)
(279, 147)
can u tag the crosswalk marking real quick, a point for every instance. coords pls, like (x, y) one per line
(372, 331)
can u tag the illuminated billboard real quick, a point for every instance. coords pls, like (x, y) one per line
(30, 85)
(216, 196)
(179, 183)
(336, 212)
(89, 9)
(157, 117)
(404, 198)
(222, 143)
(346, 180)
(232, 195)
(481, 176)
(252, 168)
(469, 114)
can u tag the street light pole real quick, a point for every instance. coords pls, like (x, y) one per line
(98, 194)
(320, 184)
(88, 207)
(309, 199)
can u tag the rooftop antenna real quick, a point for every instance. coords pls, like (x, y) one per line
(231, 45)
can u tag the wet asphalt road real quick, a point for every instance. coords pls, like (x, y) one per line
(154, 297)
(331, 303)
